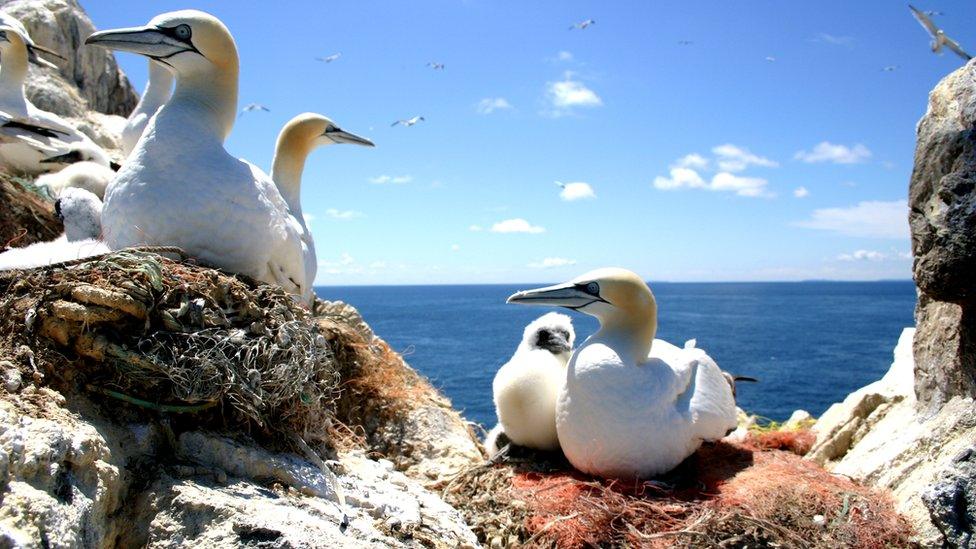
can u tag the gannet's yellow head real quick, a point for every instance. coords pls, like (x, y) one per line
(191, 42)
(14, 40)
(614, 296)
(310, 130)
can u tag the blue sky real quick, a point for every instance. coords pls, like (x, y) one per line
(771, 147)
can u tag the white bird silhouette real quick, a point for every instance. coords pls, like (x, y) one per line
(250, 107)
(939, 38)
(329, 58)
(408, 122)
(582, 24)
(436, 66)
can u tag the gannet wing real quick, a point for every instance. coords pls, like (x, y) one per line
(954, 46)
(711, 404)
(924, 20)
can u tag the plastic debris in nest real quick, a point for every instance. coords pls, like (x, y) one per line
(174, 337)
(725, 495)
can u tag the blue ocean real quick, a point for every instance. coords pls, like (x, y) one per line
(809, 343)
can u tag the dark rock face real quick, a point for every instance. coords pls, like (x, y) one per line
(62, 26)
(942, 199)
(952, 501)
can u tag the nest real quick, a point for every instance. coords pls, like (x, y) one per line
(725, 495)
(162, 335)
(26, 213)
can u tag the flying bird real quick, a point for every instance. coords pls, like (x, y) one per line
(582, 24)
(685, 42)
(408, 122)
(329, 58)
(933, 13)
(939, 37)
(251, 107)
(890, 68)
(436, 66)
(770, 58)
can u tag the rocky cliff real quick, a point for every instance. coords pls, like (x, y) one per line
(915, 431)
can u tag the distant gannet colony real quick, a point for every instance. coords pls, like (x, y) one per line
(621, 404)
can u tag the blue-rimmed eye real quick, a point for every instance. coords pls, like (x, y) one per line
(593, 288)
(183, 32)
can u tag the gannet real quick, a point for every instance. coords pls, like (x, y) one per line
(81, 172)
(297, 139)
(179, 186)
(582, 24)
(408, 122)
(251, 107)
(631, 405)
(329, 58)
(525, 388)
(436, 66)
(79, 210)
(939, 37)
(24, 155)
(157, 92)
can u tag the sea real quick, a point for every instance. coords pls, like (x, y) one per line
(808, 343)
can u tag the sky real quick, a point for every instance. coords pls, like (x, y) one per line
(686, 141)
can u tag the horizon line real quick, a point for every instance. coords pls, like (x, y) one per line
(804, 281)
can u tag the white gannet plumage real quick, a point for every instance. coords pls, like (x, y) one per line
(25, 155)
(80, 212)
(83, 174)
(939, 37)
(297, 139)
(158, 90)
(631, 405)
(525, 388)
(179, 186)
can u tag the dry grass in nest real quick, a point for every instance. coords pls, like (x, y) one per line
(26, 213)
(161, 335)
(726, 495)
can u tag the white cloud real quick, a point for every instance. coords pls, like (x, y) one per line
(693, 160)
(489, 105)
(801, 192)
(516, 225)
(564, 56)
(863, 255)
(575, 191)
(344, 215)
(567, 94)
(835, 40)
(680, 177)
(735, 159)
(872, 219)
(391, 179)
(476, 228)
(837, 154)
(552, 263)
(722, 181)
(455, 247)
(742, 186)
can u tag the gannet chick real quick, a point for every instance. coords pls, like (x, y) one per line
(79, 210)
(631, 406)
(157, 92)
(408, 122)
(939, 38)
(297, 139)
(81, 172)
(16, 51)
(179, 186)
(525, 388)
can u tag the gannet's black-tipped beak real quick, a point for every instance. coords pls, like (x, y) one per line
(39, 61)
(52, 53)
(561, 295)
(338, 135)
(148, 41)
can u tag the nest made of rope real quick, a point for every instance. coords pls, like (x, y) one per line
(168, 335)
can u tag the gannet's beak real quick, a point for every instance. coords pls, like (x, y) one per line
(569, 295)
(39, 61)
(66, 158)
(149, 41)
(338, 135)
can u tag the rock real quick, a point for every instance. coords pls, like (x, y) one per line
(62, 26)
(945, 352)
(799, 419)
(951, 500)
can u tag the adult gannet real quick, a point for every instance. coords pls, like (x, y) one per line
(629, 408)
(24, 155)
(436, 66)
(329, 58)
(408, 122)
(525, 388)
(939, 38)
(157, 92)
(251, 107)
(79, 210)
(297, 139)
(179, 186)
(582, 25)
